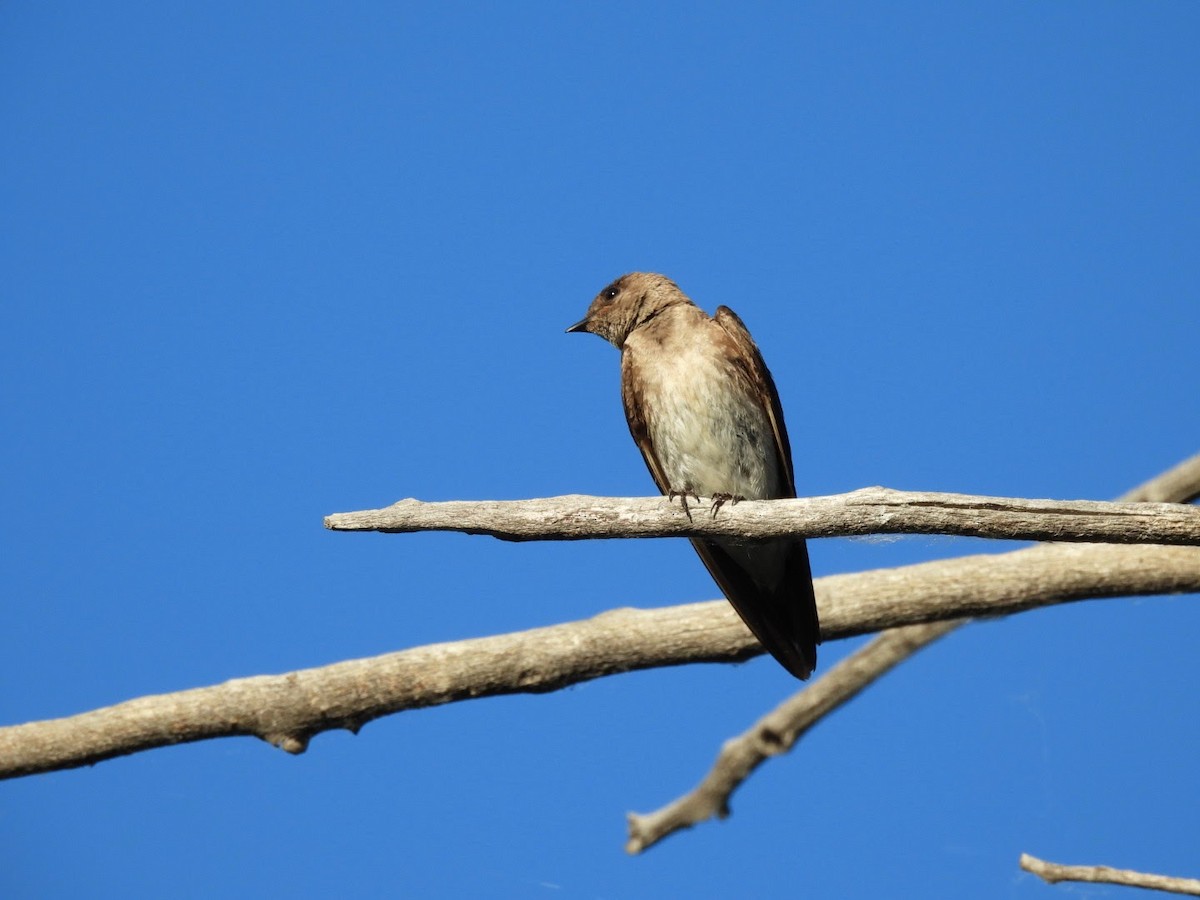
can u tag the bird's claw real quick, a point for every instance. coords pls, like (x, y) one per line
(720, 498)
(687, 489)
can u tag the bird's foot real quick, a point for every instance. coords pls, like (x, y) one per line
(720, 498)
(683, 494)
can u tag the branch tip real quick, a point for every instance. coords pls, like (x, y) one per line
(1052, 873)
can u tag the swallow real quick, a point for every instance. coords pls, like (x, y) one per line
(704, 412)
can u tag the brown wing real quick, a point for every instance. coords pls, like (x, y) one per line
(783, 614)
(751, 362)
(635, 415)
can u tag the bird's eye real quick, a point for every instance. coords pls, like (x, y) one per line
(611, 293)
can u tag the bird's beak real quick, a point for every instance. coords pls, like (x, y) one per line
(581, 325)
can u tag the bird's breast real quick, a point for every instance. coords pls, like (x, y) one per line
(709, 430)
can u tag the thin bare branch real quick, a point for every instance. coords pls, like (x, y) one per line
(1179, 484)
(776, 732)
(873, 510)
(287, 710)
(1053, 873)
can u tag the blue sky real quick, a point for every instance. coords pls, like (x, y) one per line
(265, 262)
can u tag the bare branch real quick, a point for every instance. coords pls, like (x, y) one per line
(288, 709)
(777, 731)
(873, 510)
(1179, 484)
(1053, 873)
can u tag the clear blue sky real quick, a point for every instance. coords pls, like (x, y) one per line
(264, 262)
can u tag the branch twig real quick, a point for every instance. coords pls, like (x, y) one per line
(776, 732)
(1053, 873)
(874, 510)
(1179, 484)
(288, 710)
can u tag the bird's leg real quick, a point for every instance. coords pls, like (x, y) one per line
(721, 498)
(672, 493)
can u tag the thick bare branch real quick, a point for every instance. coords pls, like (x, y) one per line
(776, 732)
(288, 709)
(873, 510)
(1053, 873)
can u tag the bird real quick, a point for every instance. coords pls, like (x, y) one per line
(704, 412)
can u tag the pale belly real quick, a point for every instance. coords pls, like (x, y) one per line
(708, 433)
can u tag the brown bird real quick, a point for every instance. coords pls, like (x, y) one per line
(704, 411)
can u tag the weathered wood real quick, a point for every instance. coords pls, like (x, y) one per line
(287, 710)
(1052, 873)
(873, 510)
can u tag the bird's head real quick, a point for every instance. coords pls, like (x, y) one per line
(629, 302)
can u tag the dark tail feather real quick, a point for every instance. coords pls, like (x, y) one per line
(782, 617)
